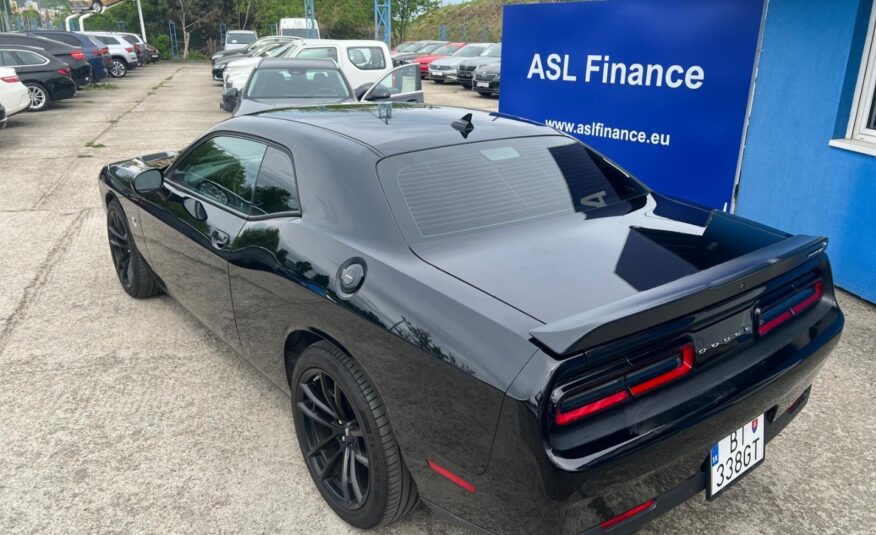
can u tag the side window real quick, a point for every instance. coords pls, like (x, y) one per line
(223, 169)
(319, 53)
(7, 59)
(368, 58)
(405, 79)
(26, 57)
(276, 190)
(109, 40)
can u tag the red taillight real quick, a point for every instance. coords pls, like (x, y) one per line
(660, 371)
(773, 317)
(684, 367)
(637, 510)
(450, 475)
(600, 405)
(104, 51)
(11, 79)
(129, 49)
(77, 54)
(65, 71)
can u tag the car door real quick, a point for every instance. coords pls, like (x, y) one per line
(271, 282)
(402, 84)
(191, 223)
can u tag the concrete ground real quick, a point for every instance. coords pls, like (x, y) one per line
(121, 416)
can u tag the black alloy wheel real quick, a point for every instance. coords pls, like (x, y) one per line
(120, 247)
(346, 439)
(134, 274)
(336, 447)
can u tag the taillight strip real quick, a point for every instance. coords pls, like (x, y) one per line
(564, 418)
(635, 511)
(790, 311)
(685, 356)
(684, 368)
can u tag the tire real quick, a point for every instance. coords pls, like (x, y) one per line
(39, 96)
(438, 81)
(321, 372)
(119, 68)
(134, 274)
(483, 94)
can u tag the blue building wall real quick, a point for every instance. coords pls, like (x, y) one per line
(791, 178)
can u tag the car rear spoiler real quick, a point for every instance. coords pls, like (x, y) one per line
(694, 292)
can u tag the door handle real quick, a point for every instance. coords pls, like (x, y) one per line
(219, 239)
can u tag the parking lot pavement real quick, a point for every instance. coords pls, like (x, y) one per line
(126, 416)
(454, 95)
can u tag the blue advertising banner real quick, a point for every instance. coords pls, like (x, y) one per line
(659, 86)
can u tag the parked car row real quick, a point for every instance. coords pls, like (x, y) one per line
(288, 71)
(38, 67)
(471, 65)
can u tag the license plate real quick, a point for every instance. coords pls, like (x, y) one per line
(435, 73)
(735, 455)
(483, 84)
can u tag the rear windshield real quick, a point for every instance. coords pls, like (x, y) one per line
(297, 83)
(240, 38)
(476, 186)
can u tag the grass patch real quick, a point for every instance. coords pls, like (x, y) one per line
(113, 121)
(85, 156)
(92, 145)
(102, 86)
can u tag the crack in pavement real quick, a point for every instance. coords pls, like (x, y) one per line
(32, 290)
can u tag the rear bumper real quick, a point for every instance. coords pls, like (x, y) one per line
(527, 488)
(492, 87)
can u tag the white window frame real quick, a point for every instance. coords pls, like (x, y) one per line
(858, 135)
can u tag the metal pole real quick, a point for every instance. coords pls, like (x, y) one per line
(5, 16)
(142, 24)
(81, 19)
(67, 21)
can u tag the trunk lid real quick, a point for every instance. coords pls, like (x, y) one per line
(578, 273)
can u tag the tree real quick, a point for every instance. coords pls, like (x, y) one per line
(405, 11)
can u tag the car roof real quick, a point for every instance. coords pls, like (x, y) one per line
(279, 63)
(348, 42)
(412, 127)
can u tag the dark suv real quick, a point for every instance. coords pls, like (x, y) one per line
(96, 53)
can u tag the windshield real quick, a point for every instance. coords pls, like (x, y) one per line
(445, 50)
(240, 38)
(428, 48)
(470, 51)
(281, 51)
(408, 47)
(297, 83)
(493, 51)
(475, 186)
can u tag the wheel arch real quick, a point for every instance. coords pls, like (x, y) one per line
(297, 340)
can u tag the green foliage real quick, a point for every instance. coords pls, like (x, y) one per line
(482, 20)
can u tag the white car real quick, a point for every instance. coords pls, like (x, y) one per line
(13, 94)
(361, 61)
(444, 69)
(123, 53)
(239, 39)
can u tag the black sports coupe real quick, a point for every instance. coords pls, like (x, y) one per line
(481, 313)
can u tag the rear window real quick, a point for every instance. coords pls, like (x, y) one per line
(476, 186)
(107, 39)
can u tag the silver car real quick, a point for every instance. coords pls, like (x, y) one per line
(444, 69)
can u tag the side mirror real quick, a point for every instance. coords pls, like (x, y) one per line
(361, 90)
(379, 93)
(148, 181)
(232, 93)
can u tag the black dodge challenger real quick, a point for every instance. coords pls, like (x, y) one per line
(481, 313)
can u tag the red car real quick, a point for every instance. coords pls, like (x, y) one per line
(440, 52)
